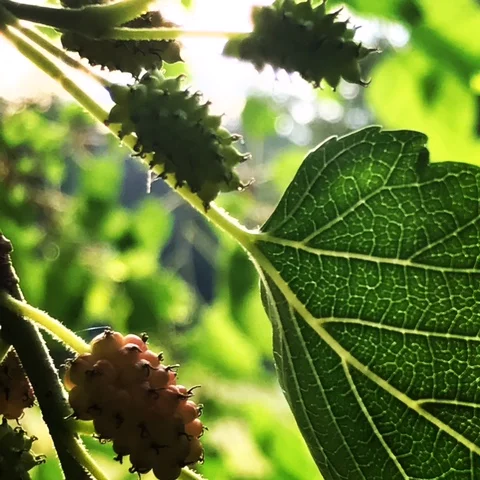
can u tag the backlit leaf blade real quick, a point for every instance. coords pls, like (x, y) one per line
(372, 281)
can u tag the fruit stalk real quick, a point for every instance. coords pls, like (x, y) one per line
(53, 326)
(90, 20)
(163, 33)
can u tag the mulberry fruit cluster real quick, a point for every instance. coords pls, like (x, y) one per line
(299, 37)
(134, 400)
(176, 127)
(16, 393)
(127, 55)
(16, 456)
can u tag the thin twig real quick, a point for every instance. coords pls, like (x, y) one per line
(30, 346)
(164, 33)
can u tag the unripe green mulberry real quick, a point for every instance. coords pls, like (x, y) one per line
(127, 55)
(16, 456)
(176, 127)
(299, 37)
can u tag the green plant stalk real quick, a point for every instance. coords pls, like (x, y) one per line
(53, 326)
(89, 20)
(164, 33)
(85, 459)
(82, 427)
(215, 214)
(34, 355)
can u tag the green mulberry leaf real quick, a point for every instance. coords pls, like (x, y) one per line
(371, 278)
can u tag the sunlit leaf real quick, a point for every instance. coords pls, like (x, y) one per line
(371, 281)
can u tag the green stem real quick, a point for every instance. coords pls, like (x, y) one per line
(85, 459)
(89, 20)
(53, 326)
(215, 214)
(35, 357)
(80, 453)
(164, 33)
(188, 474)
(82, 427)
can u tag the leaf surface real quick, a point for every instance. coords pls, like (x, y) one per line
(371, 276)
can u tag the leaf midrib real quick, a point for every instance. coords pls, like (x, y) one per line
(345, 356)
(265, 237)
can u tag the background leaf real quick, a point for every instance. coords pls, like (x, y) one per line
(424, 88)
(371, 281)
(258, 117)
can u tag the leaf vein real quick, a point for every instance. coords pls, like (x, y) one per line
(370, 419)
(265, 237)
(404, 331)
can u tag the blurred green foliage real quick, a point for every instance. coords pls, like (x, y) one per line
(259, 117)
(90, 261)
(92, 253)
(427, 85)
